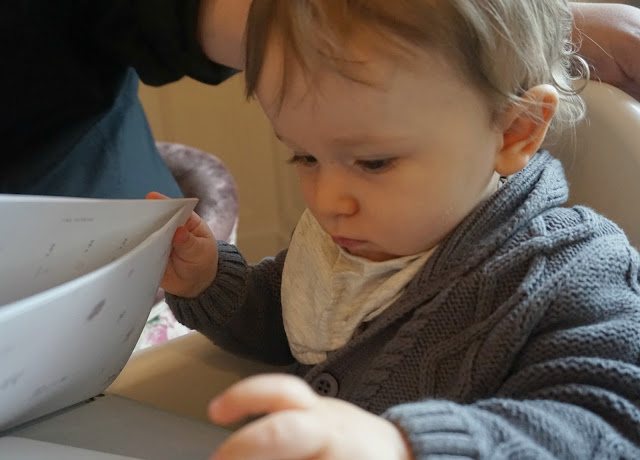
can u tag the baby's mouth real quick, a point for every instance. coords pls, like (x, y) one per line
(347, 243)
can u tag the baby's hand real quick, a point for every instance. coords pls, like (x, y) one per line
(300, 424)
(193, 261)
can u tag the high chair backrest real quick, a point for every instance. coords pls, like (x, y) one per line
(602, 160)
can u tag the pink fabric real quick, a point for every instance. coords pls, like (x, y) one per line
(161, 326)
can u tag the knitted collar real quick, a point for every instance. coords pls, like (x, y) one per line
(540, 186)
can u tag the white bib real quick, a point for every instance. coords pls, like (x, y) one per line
(327, 293)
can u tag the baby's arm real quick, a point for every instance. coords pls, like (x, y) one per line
(573, 391)
(240, 311)
(210, 288)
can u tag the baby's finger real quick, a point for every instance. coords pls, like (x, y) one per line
(194, 224)
(288, 435)
(260, 395)
(180, 236)
(197, 226)
(156, 196)
(187, 247)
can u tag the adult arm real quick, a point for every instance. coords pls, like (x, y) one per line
(221, 29)
(609, 39)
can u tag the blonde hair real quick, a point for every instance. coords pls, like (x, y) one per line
(504, 47)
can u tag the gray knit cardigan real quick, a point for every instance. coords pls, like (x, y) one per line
(519, 339)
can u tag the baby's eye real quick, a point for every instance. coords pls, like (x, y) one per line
(378, 165)
(302, 160)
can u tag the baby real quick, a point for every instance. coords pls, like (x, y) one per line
(435, 294)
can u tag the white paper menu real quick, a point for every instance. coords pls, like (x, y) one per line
(78, 278)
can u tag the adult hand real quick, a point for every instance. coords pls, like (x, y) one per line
(609, 40)
(193, 262)
(300, 424)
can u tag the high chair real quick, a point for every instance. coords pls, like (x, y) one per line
(602, 160)
(603, 168)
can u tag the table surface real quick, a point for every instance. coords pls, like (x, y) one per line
(183, 375)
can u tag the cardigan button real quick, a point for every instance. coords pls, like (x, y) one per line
(325, 385)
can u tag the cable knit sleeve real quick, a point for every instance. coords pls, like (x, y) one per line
(573, 391)
(241, 310)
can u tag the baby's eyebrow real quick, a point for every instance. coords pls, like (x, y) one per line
(284, 140)
(281, 138)
(364, 139)
(352, 140)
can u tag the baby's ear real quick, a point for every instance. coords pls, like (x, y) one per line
(524, 126)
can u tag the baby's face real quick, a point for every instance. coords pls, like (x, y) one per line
(389, 169)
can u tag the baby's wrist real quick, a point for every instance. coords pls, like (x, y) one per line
(199, 288)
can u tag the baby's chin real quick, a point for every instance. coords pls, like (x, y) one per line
(372, 256)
